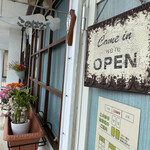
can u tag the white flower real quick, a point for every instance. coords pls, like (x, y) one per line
(10, 101)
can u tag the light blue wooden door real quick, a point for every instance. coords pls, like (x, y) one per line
(113, 8)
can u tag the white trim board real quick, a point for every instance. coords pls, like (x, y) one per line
(83, 110)
(70, 81)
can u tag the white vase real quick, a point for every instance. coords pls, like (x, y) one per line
(20, 128)
(20, 74)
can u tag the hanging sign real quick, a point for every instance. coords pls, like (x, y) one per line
(36, 21)
(117, 126)
(118, 52)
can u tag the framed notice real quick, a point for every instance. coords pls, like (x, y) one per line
(117, 126)
(118, 52)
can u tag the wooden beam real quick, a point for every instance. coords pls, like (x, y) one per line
(21, 59)
(48, 76)
(29, 11)
(48, 88)
(53, 91)
(62, 40)
(37, 9)
(30, 67)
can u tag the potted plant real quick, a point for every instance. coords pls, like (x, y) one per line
(19, 112)
(18, 68)
(28, 141)
(18, 108)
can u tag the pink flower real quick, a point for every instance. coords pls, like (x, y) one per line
(6, 97)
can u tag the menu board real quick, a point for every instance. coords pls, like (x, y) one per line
(117, 126)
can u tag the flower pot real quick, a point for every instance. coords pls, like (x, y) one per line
(34, 135)
(20, 128)
(20, 74)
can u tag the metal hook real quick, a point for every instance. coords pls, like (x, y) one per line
(142, 1)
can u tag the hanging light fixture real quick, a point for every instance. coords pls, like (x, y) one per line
(46, 3)
(31, 2)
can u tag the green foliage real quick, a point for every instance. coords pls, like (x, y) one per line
(20, 105)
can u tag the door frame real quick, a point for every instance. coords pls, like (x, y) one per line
(84, 94)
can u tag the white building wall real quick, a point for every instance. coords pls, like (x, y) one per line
(4, 38)
(1, 66)
(13, 53)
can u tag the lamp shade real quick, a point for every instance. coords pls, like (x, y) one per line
(31, 2)
(46, 3)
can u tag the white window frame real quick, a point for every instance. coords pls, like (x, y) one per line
(85, 95)
(72, 77)
(70, 81)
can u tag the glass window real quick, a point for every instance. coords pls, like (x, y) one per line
(62, 6)
(57, 67)
(48, 66)
(33, 44)
(41, 101)
(39, 37)
(46, 42)
(32, 66)
(30, 85)
(34, 89)
(36, 67)
(44, 66)
(53, 114)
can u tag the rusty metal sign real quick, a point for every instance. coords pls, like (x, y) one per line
(118, 52)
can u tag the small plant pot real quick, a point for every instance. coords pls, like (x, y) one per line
(20, 128)
(20, 74)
